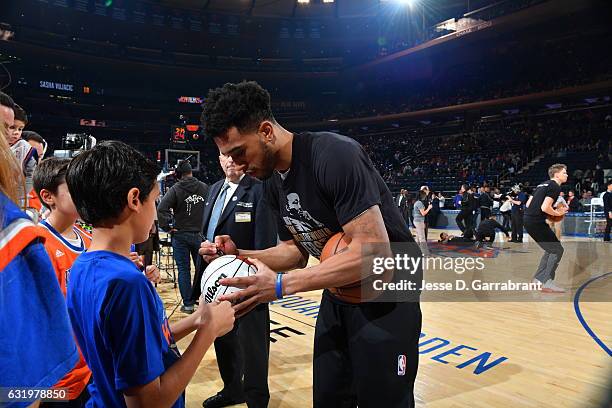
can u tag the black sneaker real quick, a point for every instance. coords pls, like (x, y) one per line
(187, 309)
(221, 400)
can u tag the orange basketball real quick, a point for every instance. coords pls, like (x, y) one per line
(349, 293)
(554, 218)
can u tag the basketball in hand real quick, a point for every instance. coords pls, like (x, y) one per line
(350, 293)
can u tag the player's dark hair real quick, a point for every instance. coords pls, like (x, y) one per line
(49, 174)
(244, 105)
(100, 178)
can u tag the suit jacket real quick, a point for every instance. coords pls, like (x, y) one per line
(398, 199)
(246, 218)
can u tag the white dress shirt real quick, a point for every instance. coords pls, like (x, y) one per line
(230, 191)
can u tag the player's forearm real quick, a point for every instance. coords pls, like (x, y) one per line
(548, 209)
(339, 270)
(280, 258)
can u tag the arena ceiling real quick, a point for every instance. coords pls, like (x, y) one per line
(318, 8)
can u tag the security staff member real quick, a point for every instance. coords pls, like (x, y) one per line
(486, 203)
(235, 208)
(518, 210)
(607, 199)
(464, 218)
(486, 230)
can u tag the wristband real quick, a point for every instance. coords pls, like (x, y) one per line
(279, 286)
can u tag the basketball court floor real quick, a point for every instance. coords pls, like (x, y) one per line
(536, 350)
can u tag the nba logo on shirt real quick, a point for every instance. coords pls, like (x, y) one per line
(401, 364)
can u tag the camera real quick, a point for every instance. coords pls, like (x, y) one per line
(78, 141)
(74, 143)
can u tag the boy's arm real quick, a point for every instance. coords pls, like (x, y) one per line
(29, 167)
(216, 320)
(185, 326)
(167, 388)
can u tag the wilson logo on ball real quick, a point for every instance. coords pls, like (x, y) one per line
(227, 266)
(212, 290)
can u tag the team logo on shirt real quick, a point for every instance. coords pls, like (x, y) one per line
(173, 353)
(401, 364)
(192, 200)
(306, 230)
(58, 253)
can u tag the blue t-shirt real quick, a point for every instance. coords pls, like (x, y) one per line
(457, 201)
(120, 324)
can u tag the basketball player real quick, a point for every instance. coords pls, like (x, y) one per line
(538, 207)
(318, 184)
(237, 209)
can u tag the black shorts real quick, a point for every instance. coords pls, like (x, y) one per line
(365, 354)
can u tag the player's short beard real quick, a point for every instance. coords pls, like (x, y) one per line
(268, 162)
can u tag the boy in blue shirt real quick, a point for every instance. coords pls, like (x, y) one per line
(117, 316)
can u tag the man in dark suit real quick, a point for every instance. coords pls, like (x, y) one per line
(607, 200)
(402, 203)
(235, 207)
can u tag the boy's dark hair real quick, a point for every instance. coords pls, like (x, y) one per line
(6, 100)
(49, 174)
(28, 135)
(244, 105)
(100, 178)
(20, 114)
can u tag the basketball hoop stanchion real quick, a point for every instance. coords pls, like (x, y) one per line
(166, 259)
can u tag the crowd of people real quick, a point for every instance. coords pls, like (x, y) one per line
(495, 152)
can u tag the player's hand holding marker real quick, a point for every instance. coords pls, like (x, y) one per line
(223, 245)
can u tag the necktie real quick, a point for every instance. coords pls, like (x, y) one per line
(216, 213)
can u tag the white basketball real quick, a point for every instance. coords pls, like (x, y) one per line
(226, 266)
